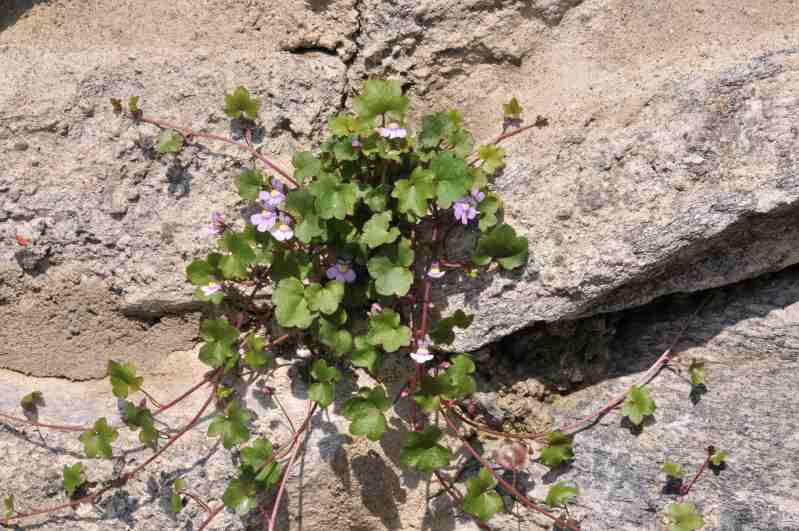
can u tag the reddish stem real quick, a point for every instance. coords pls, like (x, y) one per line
(122, 480)
(196, 499)
(687, 488)
(186, 132)
(211, 517)
(510, 488)
(57, 427)
(287, 471)
(458, 499)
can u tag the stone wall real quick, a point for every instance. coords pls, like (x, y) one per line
(669, 166)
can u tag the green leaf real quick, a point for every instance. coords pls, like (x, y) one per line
(334, 199)
(123, 378)
(422, 451)
(482, 499)
(305, 165)
(291, 306)
(241, 496)
(413, 193)
(558, 450)
(719, 457)
(488, 208)
(321, 372)
(697, 371)
(323, 391)
(97, 441)
(341, 124)
(385, 330)
(435, 128)
(218, 330)
(300, 204)
(376, 198)
(366, 413)
(240, 103)
(136, 417)
(231, 425)
(366, 355)
(493, 158)
(251, 183)
(638, 405)
(673, 470)
(204, 272)
(431, 390)
(31, 400)
(170, 141)
(133, 105)
(259, 459)
(255, 355)
(561, 494)
(344, 150)
(462, 142)
(461, 383)
(390, 269)
(336, 339)
(376, 231)
(379, 97)
(219, 337)
(684, 517)
(512, 109)
(501, 244)
(234, 265)
(175, 503)
(8, 506)
(453, 176)
(443, 333)
(74, 477)
(325, 299)
(116, 104)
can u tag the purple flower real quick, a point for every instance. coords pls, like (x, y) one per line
(264, 221)
(392, 131)
(356, 144)
(435, 271)
(273, 197)
(217, 225)
(422, 353)
(210, 289)
(281, 230)
(465, 208)
(342, 272)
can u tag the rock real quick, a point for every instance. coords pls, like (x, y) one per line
(648, 217)
(98, 186)
(747, 335)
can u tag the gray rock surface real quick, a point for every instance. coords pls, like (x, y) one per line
(664, 186)
(699, 189)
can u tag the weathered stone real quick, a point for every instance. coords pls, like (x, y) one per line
(646, 219)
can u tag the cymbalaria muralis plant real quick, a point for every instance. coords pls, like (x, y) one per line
(340, 257)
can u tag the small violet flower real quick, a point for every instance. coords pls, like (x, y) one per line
(392, 131)
(217, 225)
(422, 353)
(273, 197)
(465, 208)
(356, 144)
(210, 289)
(264, 221)
(435, 271)
(281, 230)
(342, 272)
